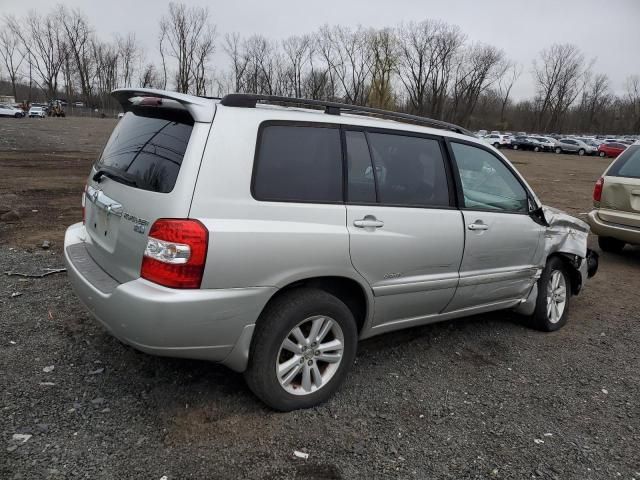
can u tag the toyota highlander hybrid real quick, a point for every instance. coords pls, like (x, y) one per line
(271, 234)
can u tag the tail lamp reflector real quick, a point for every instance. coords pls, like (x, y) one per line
(176, 253)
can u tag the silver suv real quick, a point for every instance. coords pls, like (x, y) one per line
(269, 237)
(574, 145)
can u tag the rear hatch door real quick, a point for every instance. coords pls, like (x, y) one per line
(146, 171)
(620, 202)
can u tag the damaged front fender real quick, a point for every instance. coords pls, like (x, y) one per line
(567, 236)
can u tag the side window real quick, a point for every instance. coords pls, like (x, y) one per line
(487, 183)
(298, 163)
(409, 170)
(361, 183)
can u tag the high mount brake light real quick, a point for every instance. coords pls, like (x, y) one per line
(597, 190)
(84, 202)
(176, 253)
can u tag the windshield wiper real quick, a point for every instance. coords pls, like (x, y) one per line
(114, 174)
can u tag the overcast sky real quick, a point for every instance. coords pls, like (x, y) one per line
(607, 31)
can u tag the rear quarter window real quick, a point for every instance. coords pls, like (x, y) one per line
(298, 163)
(627, 164)
(148, 145)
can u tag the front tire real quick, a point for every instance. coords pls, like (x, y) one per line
(610, 245)
(558, 150)
(581, 152)
(515, 147)
(303, 347)
(536, 149)
(554, 292)
(496, 146)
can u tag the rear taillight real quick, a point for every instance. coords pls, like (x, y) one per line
(597, 190)
(176, 253)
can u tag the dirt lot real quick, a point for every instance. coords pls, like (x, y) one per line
(483, 397)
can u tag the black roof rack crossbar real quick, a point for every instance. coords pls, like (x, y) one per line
(250, 100)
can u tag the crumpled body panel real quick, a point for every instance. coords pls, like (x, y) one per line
(564, 234)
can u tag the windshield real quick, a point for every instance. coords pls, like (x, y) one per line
(147, 146)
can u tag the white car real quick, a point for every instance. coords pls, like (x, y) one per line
(9, 111)
(497, 140)
(37, 112)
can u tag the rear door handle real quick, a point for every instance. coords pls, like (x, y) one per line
(478, 226)
(368, 222)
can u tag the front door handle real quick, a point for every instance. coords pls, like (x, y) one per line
(478, 225)
(369, 221)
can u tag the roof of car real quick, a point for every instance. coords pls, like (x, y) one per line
(202, 109)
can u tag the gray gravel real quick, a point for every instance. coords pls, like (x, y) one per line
(479, 398)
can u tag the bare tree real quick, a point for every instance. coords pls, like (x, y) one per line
(350, 59)
(12, 56)
(416, 61)
(79, 37)
(233, 48)
(128, 54)
(383, 47)
(479, 67)
(560, 78)
(187, 36)
(448, 42)
(427, 51)
(296, 51)
(40, 37)
(107, 61)
(595, 98)
(632, 86)
(149, 77)
(505, 85)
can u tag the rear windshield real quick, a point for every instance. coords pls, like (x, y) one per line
(627, 164)
(148, 146)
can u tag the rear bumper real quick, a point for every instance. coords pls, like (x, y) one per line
(605, 229)
(209, 324)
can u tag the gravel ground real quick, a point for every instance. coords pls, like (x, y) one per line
(481, 397)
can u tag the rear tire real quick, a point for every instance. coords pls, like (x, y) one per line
(296, 312)
(602, 154)
(558, 150)
(536, 149)
(554, 293)
(515, 147)
(496, 145)
(610, 245)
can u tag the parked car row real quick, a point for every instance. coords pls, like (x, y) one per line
(607, 147)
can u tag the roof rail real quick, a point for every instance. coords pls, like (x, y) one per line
(250, 100)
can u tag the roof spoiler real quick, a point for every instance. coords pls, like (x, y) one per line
(201, 109)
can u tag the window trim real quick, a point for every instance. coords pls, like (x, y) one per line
(449, 174)
(295, 123)
(458, 180)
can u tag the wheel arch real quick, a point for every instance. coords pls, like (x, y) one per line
(356, 296)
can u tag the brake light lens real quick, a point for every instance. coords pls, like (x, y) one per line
(597, 190)
(176, 253)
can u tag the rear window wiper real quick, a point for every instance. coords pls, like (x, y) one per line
(117, 175)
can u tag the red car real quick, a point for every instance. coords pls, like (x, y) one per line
(611, 149)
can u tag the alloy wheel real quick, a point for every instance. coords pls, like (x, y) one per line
(310, 355)
(556, 296)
